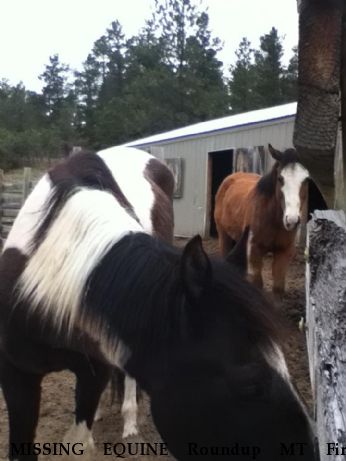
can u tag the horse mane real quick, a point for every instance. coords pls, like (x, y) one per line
(266, 185)
(151, 311)
(141, 312)
(84, 169)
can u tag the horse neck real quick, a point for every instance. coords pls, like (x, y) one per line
(136, 295)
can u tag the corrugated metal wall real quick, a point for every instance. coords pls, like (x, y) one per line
(191, 209)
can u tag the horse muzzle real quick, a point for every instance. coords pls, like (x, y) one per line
(291, 222)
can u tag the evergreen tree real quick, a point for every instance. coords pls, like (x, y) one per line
(166, 76)
(190, 51)
(142, 106)
(204, 87)
(269, 70)
(100, 83)
(19, 108)
(87, 87)
(24, 132)
(59, 98)
(242, 81)
(55, 88)
(113, 48)
(258, 78)
(290, 78)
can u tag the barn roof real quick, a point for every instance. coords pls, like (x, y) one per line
(221, 124)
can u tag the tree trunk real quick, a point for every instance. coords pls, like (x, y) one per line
(341, 159)
(315, 132)
(326, 327)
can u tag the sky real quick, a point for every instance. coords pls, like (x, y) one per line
(33, 30)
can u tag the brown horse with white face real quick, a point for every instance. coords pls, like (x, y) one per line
(271, 205)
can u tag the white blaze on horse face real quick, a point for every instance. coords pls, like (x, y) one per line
(293, 176)
(127, 165)
(28, 217)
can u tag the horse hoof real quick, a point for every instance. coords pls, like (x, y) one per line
(98, 415)
(79, 433)
(130, 430)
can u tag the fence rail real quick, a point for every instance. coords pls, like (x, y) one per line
(13, 192)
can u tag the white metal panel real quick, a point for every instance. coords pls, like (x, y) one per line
(190, 210)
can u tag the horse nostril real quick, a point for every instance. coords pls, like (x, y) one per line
(291, 222)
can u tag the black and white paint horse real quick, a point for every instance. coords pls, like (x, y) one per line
(141, 188)
(93, 284)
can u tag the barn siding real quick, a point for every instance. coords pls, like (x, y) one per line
(191, 209)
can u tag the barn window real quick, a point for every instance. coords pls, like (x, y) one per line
(176, 167)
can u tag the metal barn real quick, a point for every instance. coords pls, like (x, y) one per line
(203, 154)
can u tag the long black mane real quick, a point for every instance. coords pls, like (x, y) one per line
(151, 311)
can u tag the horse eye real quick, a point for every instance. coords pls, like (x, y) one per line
(281, 179)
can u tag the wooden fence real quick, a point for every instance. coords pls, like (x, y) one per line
(13, 192)
(326, 328)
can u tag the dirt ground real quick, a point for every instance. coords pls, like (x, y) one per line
(57, 398)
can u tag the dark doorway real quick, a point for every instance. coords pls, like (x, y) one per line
(316, 200)
(220, 166)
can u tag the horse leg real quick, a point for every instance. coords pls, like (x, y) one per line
(22, 393)
(129, 407)
(256, 265)
(226, 243)
(281, 260)
(92, 378)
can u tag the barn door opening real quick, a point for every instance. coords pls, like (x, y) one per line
(316, 200)
(220, 165)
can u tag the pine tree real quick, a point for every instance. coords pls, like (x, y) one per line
(59, 98)
(269, 70)
(242, 81)
(113, 48)
(87, 87)
(55, 88)
(290, 78)
(190, 51)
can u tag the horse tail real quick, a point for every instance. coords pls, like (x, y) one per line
(238, 255)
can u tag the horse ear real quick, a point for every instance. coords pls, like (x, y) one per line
(238, 256)
(195, 269)
(276, 154)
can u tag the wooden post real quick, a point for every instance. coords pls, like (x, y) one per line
(326, 327)
(2, 181)
(26, 182)
(341, 192)
(315, 131)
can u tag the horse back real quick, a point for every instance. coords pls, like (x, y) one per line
(235, 202)
(148, 184)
